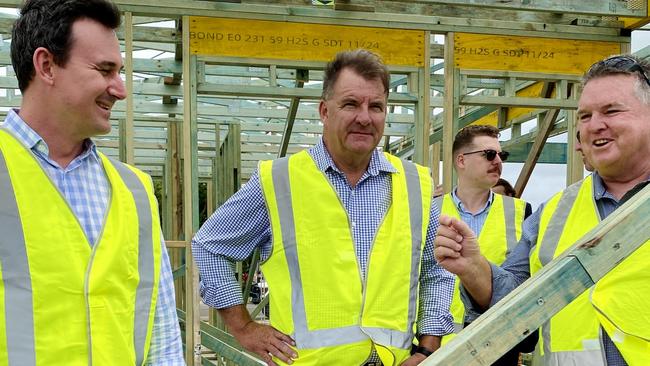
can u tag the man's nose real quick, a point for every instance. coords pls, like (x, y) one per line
(117, 88)
(363, 116)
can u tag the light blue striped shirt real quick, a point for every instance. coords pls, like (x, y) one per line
(242, 224)
(85, 187)
(474, 221)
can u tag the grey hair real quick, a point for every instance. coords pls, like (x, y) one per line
(623, 65)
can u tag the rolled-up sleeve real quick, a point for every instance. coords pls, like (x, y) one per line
(436, 288)
(231, 234)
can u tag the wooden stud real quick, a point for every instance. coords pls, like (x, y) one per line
(422, 108)
(190, 198)
(450, 124)
(128, 71)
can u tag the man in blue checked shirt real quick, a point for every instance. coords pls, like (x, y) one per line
(85, 273)
(346, 236)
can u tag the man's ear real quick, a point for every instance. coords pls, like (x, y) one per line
(322, 110)
(460, 161)
(44, 64)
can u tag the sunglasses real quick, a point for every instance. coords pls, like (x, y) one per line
(625, 64)
(491, 154)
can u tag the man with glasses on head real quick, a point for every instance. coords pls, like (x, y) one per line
(478, 161)
(610, 323)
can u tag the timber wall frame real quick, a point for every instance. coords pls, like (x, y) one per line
(191, 120)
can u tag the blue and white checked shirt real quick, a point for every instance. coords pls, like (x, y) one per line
(242, 224)
(516, 268)
(86, 189)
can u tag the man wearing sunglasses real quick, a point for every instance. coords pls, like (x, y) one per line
(610, 323)
(478, 161)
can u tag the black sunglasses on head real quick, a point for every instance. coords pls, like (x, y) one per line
(491, 154)
(625, 63)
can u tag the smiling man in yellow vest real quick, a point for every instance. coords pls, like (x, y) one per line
(478, 160)
(346, 236)
(609, 324)
(84, 272)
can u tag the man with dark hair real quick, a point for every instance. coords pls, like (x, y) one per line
(85, 272)
(504, 187)
(317, 216)
(578, 148)
(478, 160)
(609, 324)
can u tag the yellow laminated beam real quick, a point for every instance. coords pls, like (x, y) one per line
(300, 41)
(529, 54)
(531, 91)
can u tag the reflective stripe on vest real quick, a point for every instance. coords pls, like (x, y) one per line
(497, 238)
(144, 292)
(511, 229)
(554, 230)
(570, 336)
(509, 216)
(318, 338)
(393, 337)
(328, 337)
(17, 279)
(332, 337)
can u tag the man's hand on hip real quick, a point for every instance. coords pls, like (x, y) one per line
(267, 342)
(261, 339)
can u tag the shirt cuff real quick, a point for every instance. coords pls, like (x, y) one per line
(502, 284)
(224, 297)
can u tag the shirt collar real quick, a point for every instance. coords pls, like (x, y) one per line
(378, 161)
(461, 207)
(28, 137)
(600, 192)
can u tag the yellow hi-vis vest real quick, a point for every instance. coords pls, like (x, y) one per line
(498, 237)
(621, 301)
(571, 337)
(318, 295)
(63, 301)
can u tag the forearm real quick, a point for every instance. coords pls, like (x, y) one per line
(235, 317)
(503, 281)
(477, 281)
(430, 342)
(436, 290)
(166, 347)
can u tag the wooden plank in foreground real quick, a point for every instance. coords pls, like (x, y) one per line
(556, 285)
